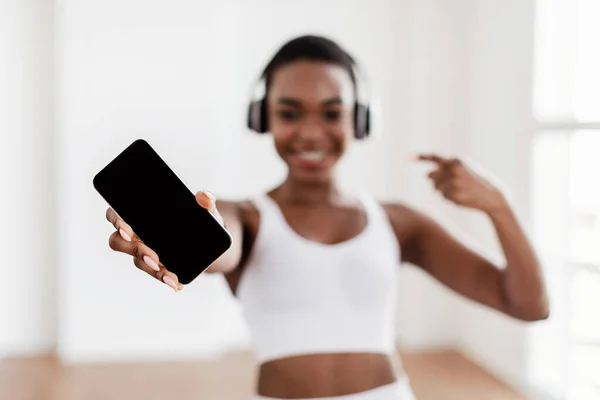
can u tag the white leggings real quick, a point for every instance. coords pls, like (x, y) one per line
(399, 390)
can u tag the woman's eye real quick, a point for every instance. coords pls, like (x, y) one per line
(332, 115)
(288, 115)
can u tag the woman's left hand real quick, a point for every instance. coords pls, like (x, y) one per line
(461, 185)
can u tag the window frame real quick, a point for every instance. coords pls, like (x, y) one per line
(554, 115)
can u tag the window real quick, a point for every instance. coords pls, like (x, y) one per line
(566, 192)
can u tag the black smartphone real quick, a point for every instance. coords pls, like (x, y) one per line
(162, 211)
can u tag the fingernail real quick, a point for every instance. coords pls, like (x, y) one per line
(151, 263)
(414, 157)
(169, 281)
(124, 235)
(209, 195)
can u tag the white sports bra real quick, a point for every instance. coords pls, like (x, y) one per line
(302, 297)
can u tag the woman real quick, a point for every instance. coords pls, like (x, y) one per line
(313, 267)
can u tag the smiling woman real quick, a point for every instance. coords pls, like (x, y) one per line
(314, 267)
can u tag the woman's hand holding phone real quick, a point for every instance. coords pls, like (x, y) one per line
(124, 240)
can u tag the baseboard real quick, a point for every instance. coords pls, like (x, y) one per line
(430, 347)
(27, 351)
(72, 356)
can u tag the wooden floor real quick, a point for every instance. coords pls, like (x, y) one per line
(434, 376)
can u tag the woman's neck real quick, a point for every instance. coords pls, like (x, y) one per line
(298, 192)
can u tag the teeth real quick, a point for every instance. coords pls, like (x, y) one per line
(312, 155)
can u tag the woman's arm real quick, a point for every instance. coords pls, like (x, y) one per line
(229, 213)
(523, 277)
(517, 289)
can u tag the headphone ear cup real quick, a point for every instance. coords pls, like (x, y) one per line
(362, 121)
(257, 116)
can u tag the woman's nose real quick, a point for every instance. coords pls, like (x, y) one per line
(311, 129)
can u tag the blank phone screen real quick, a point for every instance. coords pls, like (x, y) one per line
(162, 211)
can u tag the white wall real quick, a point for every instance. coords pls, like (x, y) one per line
(499, 137)
(27, 286)
(435, 109)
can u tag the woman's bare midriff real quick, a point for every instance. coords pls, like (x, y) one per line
(326, 375)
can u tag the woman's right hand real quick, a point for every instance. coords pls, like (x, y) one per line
(124, 240)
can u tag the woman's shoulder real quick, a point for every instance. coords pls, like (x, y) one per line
(411, 221)
(404, 218)
(397, 210)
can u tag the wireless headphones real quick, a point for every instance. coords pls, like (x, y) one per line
(258, 116)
